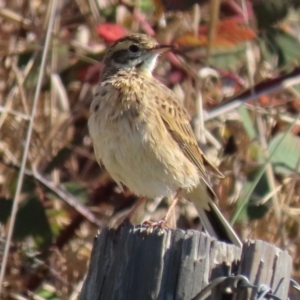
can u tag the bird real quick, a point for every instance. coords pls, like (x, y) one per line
(142, 134)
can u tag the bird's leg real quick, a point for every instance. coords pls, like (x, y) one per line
(164, 220)
(134, 208)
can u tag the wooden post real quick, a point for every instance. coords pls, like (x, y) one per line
(263, 263)
(131, 264)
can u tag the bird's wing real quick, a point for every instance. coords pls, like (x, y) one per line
(177, 122)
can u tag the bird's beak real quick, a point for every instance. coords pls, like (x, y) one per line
(161, 49)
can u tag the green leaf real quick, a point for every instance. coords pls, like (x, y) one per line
(269, 12)
(47, 292)
(286, 155)
(283, 46)
(247, 122)
(253, 209)
(5, 209)
(31, 220)
(230, 58)
(29, 183)
(77, 191)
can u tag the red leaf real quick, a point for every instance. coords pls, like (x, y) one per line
(229, 32)
(111, 32)
(233, 30)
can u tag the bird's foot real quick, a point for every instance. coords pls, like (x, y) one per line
(150, 226)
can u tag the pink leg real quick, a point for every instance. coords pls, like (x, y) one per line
(172, 206)
(164, 220)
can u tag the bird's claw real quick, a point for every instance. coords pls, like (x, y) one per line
(150, 226)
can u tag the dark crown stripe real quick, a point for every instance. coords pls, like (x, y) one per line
(127, 38)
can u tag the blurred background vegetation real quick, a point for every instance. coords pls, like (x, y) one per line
(235, 67)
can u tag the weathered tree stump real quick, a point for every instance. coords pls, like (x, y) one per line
(129, 264)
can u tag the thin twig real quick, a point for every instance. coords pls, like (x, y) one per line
(139, 17)
(227, 107)
(60, 192)
(68, 198)
(27, 143)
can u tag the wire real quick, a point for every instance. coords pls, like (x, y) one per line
(231, 284)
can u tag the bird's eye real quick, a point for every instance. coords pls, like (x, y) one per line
(134, 48)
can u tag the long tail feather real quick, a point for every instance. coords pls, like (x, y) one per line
(211, 218)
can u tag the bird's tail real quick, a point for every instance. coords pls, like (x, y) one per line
(211, 218)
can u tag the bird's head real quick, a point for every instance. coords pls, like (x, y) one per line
(137, 51)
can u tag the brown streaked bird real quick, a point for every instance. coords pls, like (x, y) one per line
(142, 134)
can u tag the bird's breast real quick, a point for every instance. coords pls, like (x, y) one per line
(132, 142)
